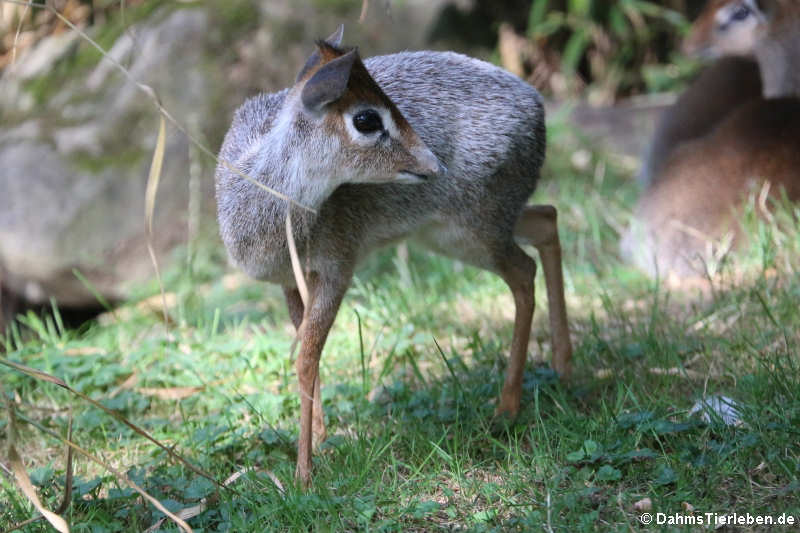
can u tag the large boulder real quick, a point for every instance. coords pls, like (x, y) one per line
(76, 152)
(77, 136)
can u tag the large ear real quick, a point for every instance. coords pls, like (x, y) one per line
(329, 82)
(335, 40)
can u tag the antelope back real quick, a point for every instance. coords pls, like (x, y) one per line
(722, 87)
(699, 196)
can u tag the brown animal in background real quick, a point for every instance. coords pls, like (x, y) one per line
(697, 196)
(434, 146)
(722, 87)
(726, 28)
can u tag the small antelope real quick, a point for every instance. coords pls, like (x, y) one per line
(726, 28)
(722, 87)
(696, 196)
(430, 145)
(725, 32)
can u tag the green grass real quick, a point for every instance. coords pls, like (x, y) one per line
(413, 445)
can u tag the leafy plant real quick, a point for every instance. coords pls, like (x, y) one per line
(609, 49)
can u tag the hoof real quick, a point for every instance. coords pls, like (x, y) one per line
(507, 409)
(564, 370)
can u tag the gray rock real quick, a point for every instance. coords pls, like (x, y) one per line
(73, 175)
(76, 148)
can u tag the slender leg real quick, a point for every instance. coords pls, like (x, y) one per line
(295, 305)
(518, 270)
(296, 310)
(318, 431)
(325, 298)
(538, 226)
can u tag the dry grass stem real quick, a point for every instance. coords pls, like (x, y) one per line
(43, 376)
(119, 475)
(161, 109)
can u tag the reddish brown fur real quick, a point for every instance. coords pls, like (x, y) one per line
(699, 194)
(361, 88)
(783, 13)
(702, 29)
(707, 180)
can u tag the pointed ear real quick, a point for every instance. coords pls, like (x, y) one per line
(312, 61)
(335, 40)
(329, 82)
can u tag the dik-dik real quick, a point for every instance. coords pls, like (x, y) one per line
(698, 194)
(725, 32)
(435, 146)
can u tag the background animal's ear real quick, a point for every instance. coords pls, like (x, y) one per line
(329, 82)
(335, 40)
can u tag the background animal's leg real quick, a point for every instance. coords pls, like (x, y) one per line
(296, 309)
(325, 297)
(518, 270)
(538, 225)
(295, 305)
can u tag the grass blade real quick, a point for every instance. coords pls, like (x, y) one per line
(38, 374)
(25, 485)
(150, 203)
(119, 475)
(154, 176)
(22, 478)
(295, 259)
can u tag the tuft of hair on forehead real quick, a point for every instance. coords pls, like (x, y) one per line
(325, 53)
(361, 87)
(329, 51)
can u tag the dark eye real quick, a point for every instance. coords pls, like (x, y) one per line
(741, 12)
(368, 121)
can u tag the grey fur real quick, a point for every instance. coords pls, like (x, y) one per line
(485, 125)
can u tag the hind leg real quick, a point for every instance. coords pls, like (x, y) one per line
(495, 250)
(538, 225)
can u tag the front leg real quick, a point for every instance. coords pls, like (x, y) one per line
(296, 310)
(518, 270)
(325, 295)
